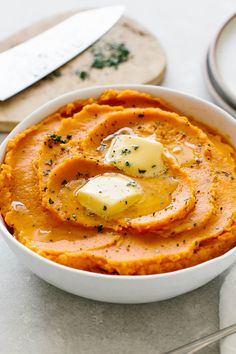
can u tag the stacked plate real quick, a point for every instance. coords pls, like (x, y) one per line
(220, 67)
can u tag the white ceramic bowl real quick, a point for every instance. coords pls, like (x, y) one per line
(127, 289)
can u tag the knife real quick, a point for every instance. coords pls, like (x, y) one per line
(25, 64)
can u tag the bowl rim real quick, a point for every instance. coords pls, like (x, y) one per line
(65, 98)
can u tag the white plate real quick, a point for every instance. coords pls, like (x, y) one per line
(222, 61)
(213, 91)
(126, 289)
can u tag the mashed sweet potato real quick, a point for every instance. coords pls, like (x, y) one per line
(186, 215)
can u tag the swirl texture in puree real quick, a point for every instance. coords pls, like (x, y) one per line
(185, 214)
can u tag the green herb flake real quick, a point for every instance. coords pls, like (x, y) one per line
(131, 184)
(83, 75)
(141, 171)
(125, 151)
(57, 139)
(53, 75)
(127, 163)
(111, 54)
(50, 201)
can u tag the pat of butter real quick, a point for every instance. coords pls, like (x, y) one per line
(109, 194)
(136, 156)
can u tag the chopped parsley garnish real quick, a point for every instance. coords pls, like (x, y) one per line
(83, 75)
(53, 75)
(141, 171)
(127, 163)
(112, 54)
(105, 55)
(131, 184)
(57, 139)
(125, 151)
(50, 201)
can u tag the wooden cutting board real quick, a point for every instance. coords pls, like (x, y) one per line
(146, 64)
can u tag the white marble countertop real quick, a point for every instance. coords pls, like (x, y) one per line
(36, 317)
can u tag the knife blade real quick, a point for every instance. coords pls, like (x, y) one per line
(25, 64)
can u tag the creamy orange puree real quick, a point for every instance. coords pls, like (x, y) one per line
(186, 214)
